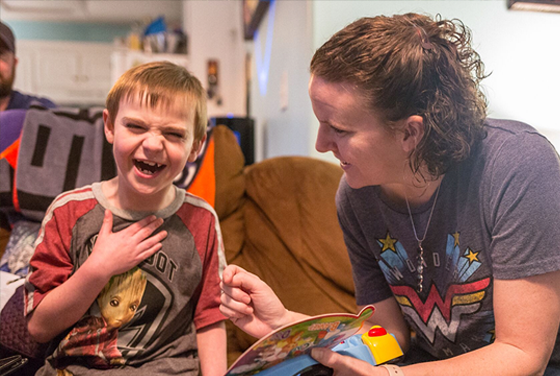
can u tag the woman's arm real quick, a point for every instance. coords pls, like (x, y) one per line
(212, 348)
(388, 315)
(527, 314)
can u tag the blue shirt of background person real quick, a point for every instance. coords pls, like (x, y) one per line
(9, 98)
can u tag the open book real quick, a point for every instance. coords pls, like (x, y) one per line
(297, 339)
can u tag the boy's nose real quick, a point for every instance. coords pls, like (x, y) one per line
(153, 142)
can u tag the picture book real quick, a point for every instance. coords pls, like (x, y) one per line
(298, 338)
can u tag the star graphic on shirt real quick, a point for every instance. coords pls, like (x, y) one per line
(471, 256)
(456, 237)
(388, 243)
(492, 335)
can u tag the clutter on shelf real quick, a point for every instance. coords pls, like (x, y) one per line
(155, 37)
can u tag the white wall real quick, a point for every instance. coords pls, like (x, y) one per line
(282, 110)
(215, 31)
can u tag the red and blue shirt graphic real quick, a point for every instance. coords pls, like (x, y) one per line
(449, 297)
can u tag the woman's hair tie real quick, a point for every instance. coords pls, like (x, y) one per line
(426, 44)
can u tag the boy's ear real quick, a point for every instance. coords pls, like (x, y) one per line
(109, 127)
(412, 132)
(196, 148)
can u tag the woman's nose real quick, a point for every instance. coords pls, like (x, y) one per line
(323, 144)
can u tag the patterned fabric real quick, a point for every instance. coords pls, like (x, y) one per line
(20, 247)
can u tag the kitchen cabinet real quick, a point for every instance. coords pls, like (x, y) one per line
(122, 60)
(69, 73)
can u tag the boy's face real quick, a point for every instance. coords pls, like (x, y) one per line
(150, 146)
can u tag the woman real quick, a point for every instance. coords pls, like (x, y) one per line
(450, 218)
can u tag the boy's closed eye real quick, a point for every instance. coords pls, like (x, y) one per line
(134, 126)
(175, 134)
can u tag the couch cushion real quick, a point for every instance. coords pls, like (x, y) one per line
(293, 239)
(230, 189)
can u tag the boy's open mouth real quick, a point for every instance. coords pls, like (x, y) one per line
(148, 168)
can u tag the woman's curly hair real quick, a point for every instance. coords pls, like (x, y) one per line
(409, 65)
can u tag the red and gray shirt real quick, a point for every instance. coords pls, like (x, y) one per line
(179, 285)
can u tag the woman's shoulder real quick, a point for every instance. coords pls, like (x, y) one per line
(510, 141)
(502, 131)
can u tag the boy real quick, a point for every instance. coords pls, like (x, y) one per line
(134, 260)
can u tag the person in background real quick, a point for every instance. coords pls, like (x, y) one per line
(451, 219)
(10, 98)
(125, 274)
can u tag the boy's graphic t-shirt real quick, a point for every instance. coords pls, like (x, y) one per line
(146, 317)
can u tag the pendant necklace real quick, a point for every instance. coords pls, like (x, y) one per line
(420, 249)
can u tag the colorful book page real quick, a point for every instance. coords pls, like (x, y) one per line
(299, 338)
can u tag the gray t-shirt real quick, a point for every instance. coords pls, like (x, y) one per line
(497, 216)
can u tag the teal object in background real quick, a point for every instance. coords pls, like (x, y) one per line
(68, 31)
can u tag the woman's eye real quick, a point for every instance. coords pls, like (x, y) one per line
(338, 131)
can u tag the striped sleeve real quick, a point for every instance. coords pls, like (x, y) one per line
(209, 244)
(51, 264)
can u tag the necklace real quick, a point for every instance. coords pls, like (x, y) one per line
(420, 249)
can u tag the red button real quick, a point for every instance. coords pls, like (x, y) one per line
(377, 332)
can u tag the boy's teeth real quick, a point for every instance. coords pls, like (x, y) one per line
(148, 167)
(152, 164)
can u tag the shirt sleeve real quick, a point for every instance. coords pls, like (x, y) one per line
(524, 210)
(207, 310)
(50, 265)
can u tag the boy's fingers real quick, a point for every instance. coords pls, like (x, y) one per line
(145, 227)
(107, 225)
(146, 221)
(150, 251)
(153, 240)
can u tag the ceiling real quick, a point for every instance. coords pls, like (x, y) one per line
(107, 11)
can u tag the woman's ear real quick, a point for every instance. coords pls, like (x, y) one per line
(412, 132)
(108, 127)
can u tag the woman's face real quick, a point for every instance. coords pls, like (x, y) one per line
(369, 152)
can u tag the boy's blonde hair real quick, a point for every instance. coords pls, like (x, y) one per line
(161, 83)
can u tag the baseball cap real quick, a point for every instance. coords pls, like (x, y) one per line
(7, 38)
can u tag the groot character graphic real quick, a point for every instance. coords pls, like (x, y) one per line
(95, 337)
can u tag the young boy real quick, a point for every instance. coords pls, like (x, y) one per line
(125, 274)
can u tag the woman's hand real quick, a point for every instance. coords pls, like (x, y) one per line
(345, 365)
(250, 303)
